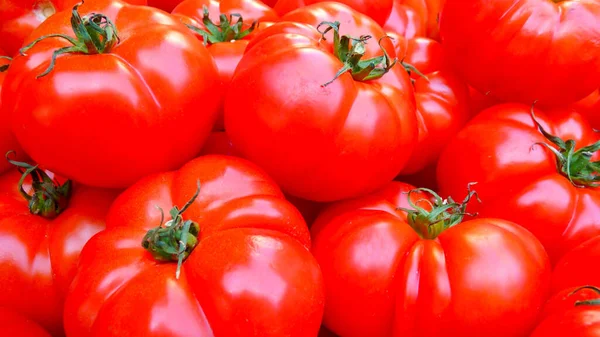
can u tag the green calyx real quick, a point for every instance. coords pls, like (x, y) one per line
(94, 34)
(49, 198)
(176, 240)
(4, 67)
(593, 302)
(225, 31)
(443, 214)
(351, 50)
(575, 165)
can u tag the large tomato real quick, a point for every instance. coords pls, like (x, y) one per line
(519, 178)
(525, 50)
(248, 270)
(322, 133)
(575, 312)
(127, 107)
(15, 324)
(404, 21)
(8, 142)
(228, 39)
(40, 241)
(427, 274)
(378, 10)
(574, 268)
(428, 11)
(18, 18)
(589, 107)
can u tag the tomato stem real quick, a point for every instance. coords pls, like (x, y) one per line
(593, 302)
(225, 31)
(177, 239)
(351, 50)
(94, 34)
(49, 197)
(443, 214)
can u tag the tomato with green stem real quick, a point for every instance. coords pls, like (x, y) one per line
(535, 169)
(325, 126)
(133, 70)
(233, 260)
(44, 223)
(573, 269)
(399, 263)
(15, 324)
(525, 51)
(378, 10)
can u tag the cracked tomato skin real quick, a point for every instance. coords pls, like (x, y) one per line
(153, 91)
(18, 18)
(518, 180)
(251, 274)
(382, 279)
(319, 143)
(8, 142)
(378, 10)
(38, 257)
(15, 324)
(574, 270)
(525, 51)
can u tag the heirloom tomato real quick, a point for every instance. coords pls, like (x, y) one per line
(404, 21)
(428, 11)
(526, 173)
(111, 108)
(325, 125)
(15, 324)
(404, 265)
(589, 107)
(233, 259)
(525, 50)
(576, 313)
(227, 40)
(8, 142)
(18, 18)
(378, 10)
(573, 269)
(44, 224)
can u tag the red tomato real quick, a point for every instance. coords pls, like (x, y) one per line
(525, 50)
(219, 143)
(14, 324)
(386, 275)
(227, 47)
(479, 102)
(574, 268)
(165, 5)
(320, 141)
(567, 298)
(518, 178)
(378, 10)
(153, 89)
(442, 102)
(428, 11)
(589, 107)
(18, 18)
(577, 315)
(248, 270)
(404, 21)
(8, 142)
(40, 246)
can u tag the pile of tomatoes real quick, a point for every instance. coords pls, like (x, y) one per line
(300, 168)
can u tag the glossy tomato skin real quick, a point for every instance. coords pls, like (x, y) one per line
(518, 180)
(15, 324)
(18, 18)
(278, 114)
(525, 50)
(251, 274)
(8, 142)
(381, 279)
(227, 54)
(378, 10)
(38, 257)
(574, 270)
(566, 299)
(428, 11)
(158, 116)
(404, 21)
(589, 108)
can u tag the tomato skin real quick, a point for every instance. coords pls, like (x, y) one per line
(566, 299)
(165, 5)
(369, 127)
(150, 113)
(14, 324)
(589, 108)
(381, 279)
(8, 142)
(525, 51)
(404, 21)
(574, 270)
(428, 11)
(518, 180)
(251, 274)
(38, 256)
(378, 10)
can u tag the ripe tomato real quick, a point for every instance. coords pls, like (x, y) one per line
(404, 21)
(576, 313)
(8, 142)
(348, 137)
(426, 275)
(428, 11)
(219, 143)
(520, 180)
(165, 5)
(378, 10)
(152, 89)
(247, 271)
(18, 18)
(15, 324)
(40, 241)
(589, 108)
(228, 39)
(573, 268)
(525, 50)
